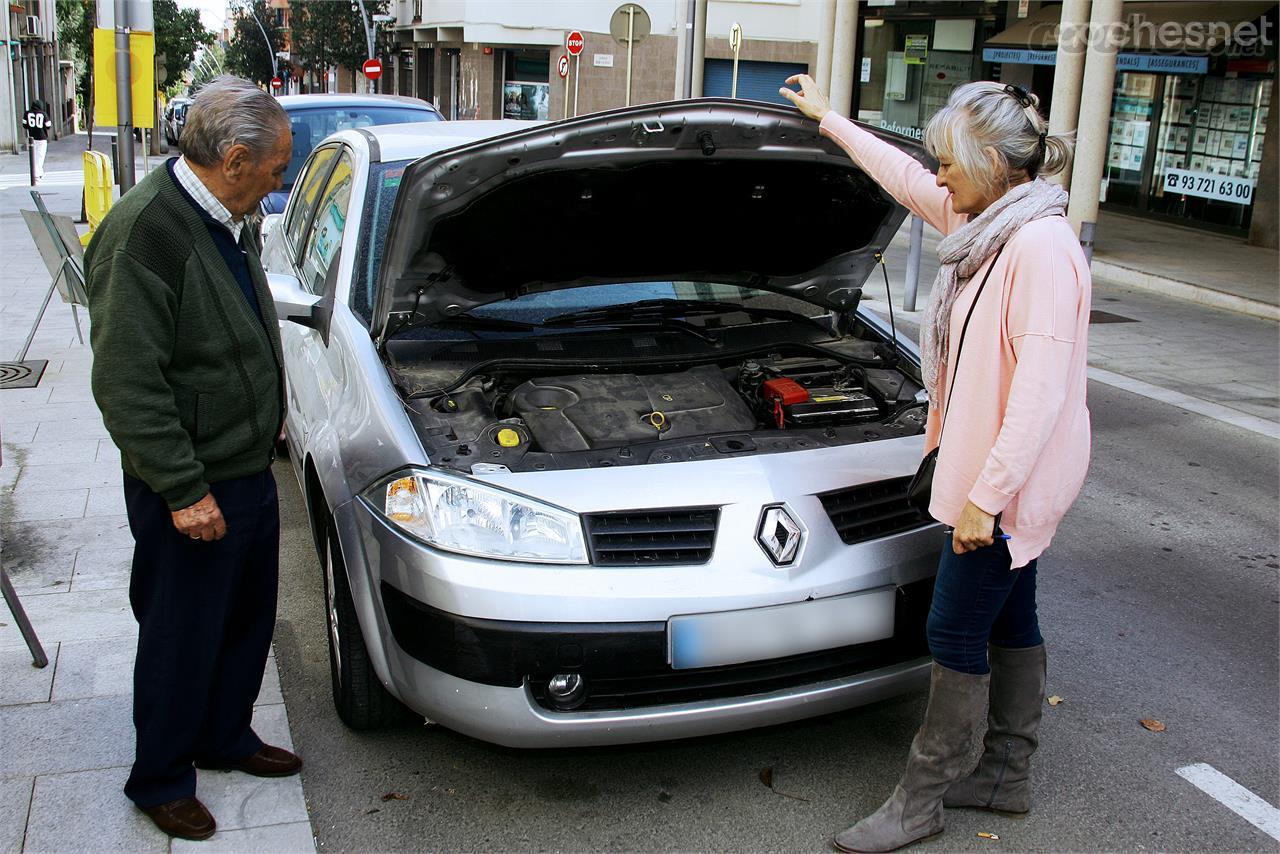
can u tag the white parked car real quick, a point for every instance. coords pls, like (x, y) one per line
(597, 443)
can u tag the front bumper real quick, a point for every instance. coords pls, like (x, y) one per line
(471, 643)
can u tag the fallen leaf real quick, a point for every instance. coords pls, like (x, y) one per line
(1055, 700)
(395, 796)
(451, 791)
(372, 811)
(1152, 724)
(766, 776)
(984, 835)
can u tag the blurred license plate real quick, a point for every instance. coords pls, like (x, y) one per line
(758, 634)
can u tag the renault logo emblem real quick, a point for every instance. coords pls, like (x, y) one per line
(780, 535)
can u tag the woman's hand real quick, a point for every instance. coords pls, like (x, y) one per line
(975, 529)
(809, 99)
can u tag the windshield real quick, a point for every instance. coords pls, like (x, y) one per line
(310, 125)
(535, 308)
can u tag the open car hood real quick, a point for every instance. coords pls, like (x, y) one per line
(713, 190)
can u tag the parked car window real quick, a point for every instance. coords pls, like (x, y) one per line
(384, 183)
(312, 124)
(325, 237)
(304, 202)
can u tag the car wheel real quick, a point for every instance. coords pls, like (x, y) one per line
(361, 700)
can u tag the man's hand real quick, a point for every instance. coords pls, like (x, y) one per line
(809, 99)
(201, 521)
(975, 529)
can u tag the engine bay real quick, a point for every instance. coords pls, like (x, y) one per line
(515, 417)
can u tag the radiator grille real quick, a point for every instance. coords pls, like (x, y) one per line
(872, 510)
(652, 537)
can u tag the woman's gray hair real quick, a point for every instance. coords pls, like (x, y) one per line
(230, 110)
(992, 130)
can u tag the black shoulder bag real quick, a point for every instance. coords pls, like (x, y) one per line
(920, 489)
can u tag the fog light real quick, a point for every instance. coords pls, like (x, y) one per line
(567, 690)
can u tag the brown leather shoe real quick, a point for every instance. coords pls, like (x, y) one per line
(185, 818)
(267, 762)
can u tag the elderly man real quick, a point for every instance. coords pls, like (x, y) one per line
(187, 373)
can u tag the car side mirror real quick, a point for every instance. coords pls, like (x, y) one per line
(269, 223)
(293, 302)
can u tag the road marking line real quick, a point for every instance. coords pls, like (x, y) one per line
(1216, 411)
(1234, 797)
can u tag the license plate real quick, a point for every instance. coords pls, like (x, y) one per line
(759, 634)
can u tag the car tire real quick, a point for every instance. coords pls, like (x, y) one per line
(360, 698)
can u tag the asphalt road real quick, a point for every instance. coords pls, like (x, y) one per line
(1158, 598)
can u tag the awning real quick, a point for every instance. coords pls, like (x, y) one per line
(1189, 26)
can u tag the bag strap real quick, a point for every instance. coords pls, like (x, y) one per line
(960, 346)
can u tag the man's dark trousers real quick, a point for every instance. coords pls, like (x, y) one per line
(205, 612)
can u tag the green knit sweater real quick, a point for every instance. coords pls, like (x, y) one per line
(188, 379)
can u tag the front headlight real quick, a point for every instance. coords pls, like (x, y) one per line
(463, 516)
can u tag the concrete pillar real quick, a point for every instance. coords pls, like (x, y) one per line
(826, 40)
(8, 104)
(1264, 228)
(699, 46)
(1095, 118)
(844, 46)
(1068, 73)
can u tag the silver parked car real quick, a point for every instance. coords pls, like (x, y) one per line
(597, 444)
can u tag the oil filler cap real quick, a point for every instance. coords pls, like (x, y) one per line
(508, 438)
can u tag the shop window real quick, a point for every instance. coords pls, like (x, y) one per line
(910, 68)
(1209, 148)
(526, 87)
(1132, 110)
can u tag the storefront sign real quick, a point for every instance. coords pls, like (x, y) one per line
(916, 50)
(1222, 188)
(1147, 62)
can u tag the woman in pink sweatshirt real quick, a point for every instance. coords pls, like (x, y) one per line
(1003, 351)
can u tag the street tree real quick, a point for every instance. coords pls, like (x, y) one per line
(75, 35)
(248, 54)
(327, 33)
(179, 34)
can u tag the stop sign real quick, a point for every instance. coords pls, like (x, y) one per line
(276, 83)
(575, 43)
(372, 68)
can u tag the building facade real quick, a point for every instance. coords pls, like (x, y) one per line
(32, 70)
(1190, 110)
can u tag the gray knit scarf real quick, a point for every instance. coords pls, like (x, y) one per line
(964, 250)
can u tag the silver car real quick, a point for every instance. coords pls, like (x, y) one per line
(597, 443)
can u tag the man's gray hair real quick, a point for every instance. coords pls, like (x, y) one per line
(230, 110)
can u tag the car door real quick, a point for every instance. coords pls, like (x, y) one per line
(313, 238)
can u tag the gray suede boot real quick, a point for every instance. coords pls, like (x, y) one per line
(1002, 779)
(914, 812)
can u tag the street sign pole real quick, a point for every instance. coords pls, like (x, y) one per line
(577, 77)
(735, 43)
(124, 97)
(631, 37)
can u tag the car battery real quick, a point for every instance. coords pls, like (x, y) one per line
(832, 406)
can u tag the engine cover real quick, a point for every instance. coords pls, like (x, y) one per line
(590, 411)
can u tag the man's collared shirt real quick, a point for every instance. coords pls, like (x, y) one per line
(191, 182)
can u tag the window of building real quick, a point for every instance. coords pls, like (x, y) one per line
(526, 84)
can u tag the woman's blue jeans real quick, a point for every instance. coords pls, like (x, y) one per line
(978, 600)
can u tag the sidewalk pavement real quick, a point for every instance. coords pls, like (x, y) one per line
(65, 542)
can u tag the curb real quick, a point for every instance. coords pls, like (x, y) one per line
(1127, 277)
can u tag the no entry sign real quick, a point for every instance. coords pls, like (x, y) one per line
(575, 43)
(372, 68)
(276, 83)
(562, 65)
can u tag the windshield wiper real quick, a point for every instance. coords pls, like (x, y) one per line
(626, 321)
(493, 324)
(653, 309)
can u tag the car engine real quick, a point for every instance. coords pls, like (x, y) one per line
(502, 418)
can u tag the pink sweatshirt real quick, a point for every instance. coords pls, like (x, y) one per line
(1017, 434)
